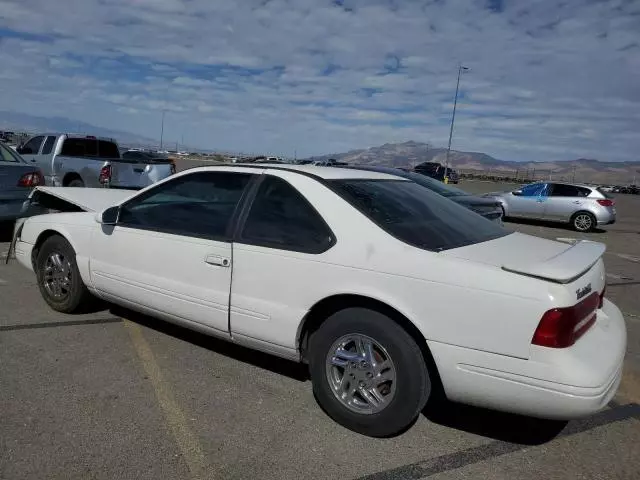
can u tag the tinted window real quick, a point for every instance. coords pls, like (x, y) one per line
(415, 215)
(195, 205)
(108, 149)
(131, 155)
(79, 147)
(48, 145)
(562, 190)
(281, 217)
(534, 190)
(33, 146)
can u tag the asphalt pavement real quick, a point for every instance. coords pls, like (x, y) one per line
(113, 394)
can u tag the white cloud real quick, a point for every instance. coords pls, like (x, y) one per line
(546, 80)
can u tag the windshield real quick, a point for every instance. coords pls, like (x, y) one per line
(416, 215)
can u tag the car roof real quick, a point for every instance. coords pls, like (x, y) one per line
(325, 173)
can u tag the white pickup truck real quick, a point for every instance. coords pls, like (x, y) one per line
(87, 161)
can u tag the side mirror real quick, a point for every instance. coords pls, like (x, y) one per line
(517, 193)
(108, 216)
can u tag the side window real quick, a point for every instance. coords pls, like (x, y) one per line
(48, 145)
(534, 190)
(32, 147)
(196, 205)
(108, 149)
(280, 217)
(562, 190)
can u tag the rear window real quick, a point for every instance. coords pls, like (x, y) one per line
(415, 215)
(89, 147)
(605, 194)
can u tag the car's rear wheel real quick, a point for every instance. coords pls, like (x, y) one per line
(583, 222)
(368, 373)
(76, 182)
(58, 277)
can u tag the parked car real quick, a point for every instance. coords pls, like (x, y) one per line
(488, 208)
(581, 206)
(437, 171)
(88, 161)
(386, 289)
(17, 178)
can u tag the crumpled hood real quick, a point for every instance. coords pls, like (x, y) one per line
(88, 199)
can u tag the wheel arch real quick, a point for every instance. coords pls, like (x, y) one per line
(42, 237)
(324, 308)
(69, 176)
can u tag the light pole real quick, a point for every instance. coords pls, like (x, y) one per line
(162, 131)
(453, 118)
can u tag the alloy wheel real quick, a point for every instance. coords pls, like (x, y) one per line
(361, 374)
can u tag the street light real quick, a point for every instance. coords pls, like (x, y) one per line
(162, 130)
(453, 118)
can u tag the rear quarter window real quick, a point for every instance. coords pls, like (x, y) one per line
(415, 215)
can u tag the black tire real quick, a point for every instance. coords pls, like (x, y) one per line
(76, 297)
(412, 382)
(76, 182)
(578, 222)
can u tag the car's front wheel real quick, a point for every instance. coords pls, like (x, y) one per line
(368, 373)
(58, 277)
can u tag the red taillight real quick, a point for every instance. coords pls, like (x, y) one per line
(562, 327)
(606, 203)
(32, 179)
(105, 174)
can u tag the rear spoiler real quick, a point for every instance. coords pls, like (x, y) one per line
(564, 267)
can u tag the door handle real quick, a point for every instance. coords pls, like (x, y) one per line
(217, 260)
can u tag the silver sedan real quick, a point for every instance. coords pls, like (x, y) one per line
(582, 206)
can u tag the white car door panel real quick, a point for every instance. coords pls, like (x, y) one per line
(167, 272)
(170, 250)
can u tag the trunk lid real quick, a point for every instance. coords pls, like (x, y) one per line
(139, 174)
(535, 257)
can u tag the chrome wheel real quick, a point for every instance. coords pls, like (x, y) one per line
(583, 222)
(57, 276)
(361, 374)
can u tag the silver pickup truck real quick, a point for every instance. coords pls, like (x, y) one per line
(86, 161)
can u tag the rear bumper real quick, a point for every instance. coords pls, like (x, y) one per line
(553, 383)
(606, 216)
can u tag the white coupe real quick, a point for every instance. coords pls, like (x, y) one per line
(387, 290)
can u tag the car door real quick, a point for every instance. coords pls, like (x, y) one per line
(44, 158)
(528, 202)
(281, 237)
(170, 250)
(564, 200)
(31, 149)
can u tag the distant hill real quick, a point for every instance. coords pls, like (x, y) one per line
(411, 153)
(34, 124)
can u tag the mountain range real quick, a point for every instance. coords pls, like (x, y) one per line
(405, 154)
(24, 122)
(409, 154)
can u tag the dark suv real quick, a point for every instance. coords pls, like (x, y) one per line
(436, 170)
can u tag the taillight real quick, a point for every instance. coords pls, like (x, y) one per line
(105, 175)
(32, 179)
(606, 203)
(562, 327)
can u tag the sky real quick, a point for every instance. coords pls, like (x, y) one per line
(546, 80)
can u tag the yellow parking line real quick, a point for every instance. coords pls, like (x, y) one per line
(187, 441)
